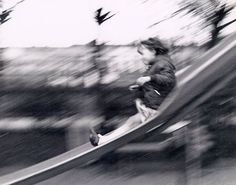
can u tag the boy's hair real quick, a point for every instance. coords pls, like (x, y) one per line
(156, 45)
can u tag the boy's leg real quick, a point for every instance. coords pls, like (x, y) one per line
(132, 122)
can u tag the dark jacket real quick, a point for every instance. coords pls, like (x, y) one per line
(163, 80)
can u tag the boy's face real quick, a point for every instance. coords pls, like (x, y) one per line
(147, 54)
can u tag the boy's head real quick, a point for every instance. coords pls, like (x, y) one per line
(151, 48)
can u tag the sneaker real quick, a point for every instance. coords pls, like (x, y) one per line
(93, 137)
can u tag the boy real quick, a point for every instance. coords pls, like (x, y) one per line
(151, 89)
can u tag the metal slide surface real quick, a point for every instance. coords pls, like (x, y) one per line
(199, 82)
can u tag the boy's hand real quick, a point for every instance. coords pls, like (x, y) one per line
(142, 80)
(134, 87)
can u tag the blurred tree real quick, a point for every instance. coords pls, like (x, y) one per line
(99, 47)
(99, 65)
(5, 14)
(212, 12)
(4, 17)
(102, 18)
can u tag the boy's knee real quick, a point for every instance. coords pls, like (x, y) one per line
(136, 119)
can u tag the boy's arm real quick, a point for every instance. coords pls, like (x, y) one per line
(142, 80)
(165, 74)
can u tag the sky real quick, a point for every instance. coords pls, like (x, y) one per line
(62, 23)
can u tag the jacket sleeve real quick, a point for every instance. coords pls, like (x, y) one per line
(163, 73)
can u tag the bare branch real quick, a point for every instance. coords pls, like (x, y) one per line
(177, 12)
(226, 24)
(102, 18)
(4, 16)
(15, 5)
(156, 23)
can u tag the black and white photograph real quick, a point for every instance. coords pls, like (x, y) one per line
(117, 92)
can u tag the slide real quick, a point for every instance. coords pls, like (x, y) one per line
(195, 85)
